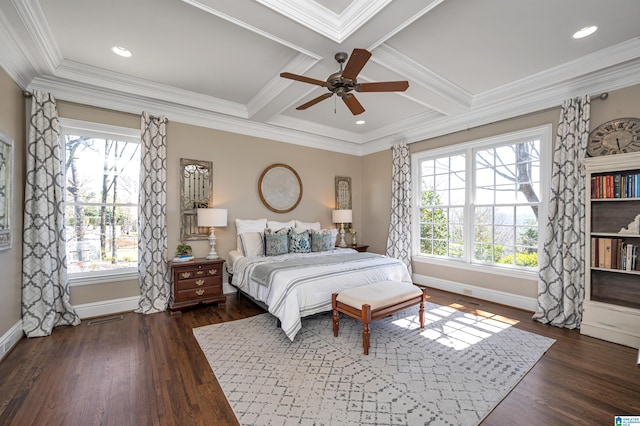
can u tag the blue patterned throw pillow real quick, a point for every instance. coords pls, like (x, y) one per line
(299, 242)
(321, 240)
(275, 243)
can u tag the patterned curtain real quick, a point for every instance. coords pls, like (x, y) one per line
(45, 288)
(153, 270)
(561, 277)
(399, 240)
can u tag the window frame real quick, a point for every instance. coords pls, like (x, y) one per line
(469, 149)
(104, 131)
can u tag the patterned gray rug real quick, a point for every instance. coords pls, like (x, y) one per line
(453, 372)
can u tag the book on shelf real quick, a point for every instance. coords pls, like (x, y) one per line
(616, 185)
(614, 253)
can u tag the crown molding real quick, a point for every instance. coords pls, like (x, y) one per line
(299, 65)
(395, 61)
(246, 26)
(36, 24)
(292, 123)
(115, 82)
(405, 24)
(335, 27)
(83, 94)
(575, 70)
(14, 57)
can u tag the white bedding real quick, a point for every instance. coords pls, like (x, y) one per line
(296, 293)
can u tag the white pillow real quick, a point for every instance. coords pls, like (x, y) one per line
(276, 226)
(308, 225)
(250, 225)
(252, 243)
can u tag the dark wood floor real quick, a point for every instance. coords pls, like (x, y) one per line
(150, 370)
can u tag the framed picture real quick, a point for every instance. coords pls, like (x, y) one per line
(6, 170)
(280, 188)
(343, 193)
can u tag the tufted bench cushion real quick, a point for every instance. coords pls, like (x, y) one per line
(372, 301)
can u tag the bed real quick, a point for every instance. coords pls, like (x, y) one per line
(296, 285)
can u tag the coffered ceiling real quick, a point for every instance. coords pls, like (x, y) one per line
(216, 63)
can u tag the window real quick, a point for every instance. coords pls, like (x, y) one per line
(102, 166)
(481, 202)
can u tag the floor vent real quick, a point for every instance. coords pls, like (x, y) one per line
(103, 320)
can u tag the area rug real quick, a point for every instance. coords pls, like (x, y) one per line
(452, 372)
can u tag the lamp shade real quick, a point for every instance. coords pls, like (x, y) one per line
(341, 216)
(212, 217)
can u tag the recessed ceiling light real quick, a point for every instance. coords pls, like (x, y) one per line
(584, 32)
(121, 51)
(360, 122)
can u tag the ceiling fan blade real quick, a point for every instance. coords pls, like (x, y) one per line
(314, 101)
(357, 60)
(303, 79)
(383, 86)
(352, 103)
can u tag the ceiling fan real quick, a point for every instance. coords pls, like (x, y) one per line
(343, 82)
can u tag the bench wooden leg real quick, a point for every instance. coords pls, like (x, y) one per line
(336, 317)
(366, 320)
(424, 298)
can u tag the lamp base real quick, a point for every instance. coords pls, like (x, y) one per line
(212, 243)
(342, 243)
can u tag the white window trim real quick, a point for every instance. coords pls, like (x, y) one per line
(70, 126)
(546, 152)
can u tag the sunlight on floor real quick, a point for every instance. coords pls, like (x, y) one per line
(459, 332)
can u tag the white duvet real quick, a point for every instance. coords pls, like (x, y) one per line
(296, 293)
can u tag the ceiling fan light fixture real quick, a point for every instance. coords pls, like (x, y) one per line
(343, 82)
(360, 122)
(121, 51)
(585, 32)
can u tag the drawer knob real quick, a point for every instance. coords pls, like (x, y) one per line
(200, 291)
(212, 271)
(185, 274)
(199, 282)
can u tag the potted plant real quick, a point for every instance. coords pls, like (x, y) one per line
(183, 250)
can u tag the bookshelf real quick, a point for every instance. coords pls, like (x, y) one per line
(611, 309)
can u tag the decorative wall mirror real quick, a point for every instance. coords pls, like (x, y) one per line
(196, 189)
(280, 188)
(343, 193)
(6, 170)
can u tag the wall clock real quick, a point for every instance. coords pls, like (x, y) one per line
(280, 188)
(615, 137)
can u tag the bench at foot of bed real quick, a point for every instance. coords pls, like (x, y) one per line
(372, 301)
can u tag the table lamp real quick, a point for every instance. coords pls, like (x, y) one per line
(342, 217)
(212, 218)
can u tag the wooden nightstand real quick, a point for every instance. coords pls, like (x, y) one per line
(359, 248)
(198, 281)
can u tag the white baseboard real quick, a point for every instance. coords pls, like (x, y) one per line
(114, 306)
(504, 298)
(107, 307)
(10, 338)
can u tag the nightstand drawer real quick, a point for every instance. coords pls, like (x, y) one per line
(197, 283)
(194, 271)
(198, 293)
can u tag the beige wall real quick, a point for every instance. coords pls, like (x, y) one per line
(377, 192)
(238, 162)
(12, 123)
